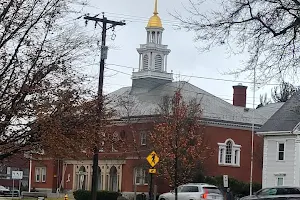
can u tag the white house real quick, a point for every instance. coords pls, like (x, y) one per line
(281, 158)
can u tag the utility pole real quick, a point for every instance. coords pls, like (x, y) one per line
(104, 49)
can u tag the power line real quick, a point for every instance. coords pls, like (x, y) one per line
(199, 77)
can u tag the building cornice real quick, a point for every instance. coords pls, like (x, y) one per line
(205, 121)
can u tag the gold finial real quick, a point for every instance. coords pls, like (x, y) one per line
(155, 20)
(155, 8)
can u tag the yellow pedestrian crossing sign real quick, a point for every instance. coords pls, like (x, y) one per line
(152, 158)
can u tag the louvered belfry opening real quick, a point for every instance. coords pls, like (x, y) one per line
(158, 63)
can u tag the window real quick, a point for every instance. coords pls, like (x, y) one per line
(229, 153)
(236, 155)
(213, 190)
(281, 151)
(189, 189)
(143, 138)
(141, 177)
(279, 181)
(228, 156)
(221, 155)
(40, 174)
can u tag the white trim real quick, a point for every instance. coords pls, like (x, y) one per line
(277, 151)
(143, 178)
(38, 172)
(265, 163)
(296, 127)
(235, 153)
(274, 133)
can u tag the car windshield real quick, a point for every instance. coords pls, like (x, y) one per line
(212, 190)
(278, 191)
(189, 189)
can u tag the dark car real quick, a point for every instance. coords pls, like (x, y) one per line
(281, 193)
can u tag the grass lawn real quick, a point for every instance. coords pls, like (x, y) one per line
(46, 199)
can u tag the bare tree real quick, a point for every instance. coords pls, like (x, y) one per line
(40, 59)
(268, 30)
(283, 92)
(263, 100)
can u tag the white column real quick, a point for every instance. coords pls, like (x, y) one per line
(30, 173)
(140, 62)
(74, 185)
(120, 177)
(166, 62)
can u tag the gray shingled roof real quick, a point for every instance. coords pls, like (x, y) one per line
(286, 118)
(146, 103)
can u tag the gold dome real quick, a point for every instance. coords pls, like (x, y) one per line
(155, 21)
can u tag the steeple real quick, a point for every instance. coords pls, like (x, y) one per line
(152, 58)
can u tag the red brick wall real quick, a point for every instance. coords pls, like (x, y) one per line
(214, 135)
(242, 137)
(51, 172)
(68, 185)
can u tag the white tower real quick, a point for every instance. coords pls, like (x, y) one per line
(152, 57)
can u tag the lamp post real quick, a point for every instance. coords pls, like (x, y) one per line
(252, 131)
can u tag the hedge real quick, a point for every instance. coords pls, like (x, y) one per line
(101, 195)
(238, 188)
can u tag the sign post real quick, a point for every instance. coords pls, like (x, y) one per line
(152, 159)
(225, 181)
(16, 175)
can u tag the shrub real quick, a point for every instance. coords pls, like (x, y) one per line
(238, 188)
(82, 195)
(101, 195)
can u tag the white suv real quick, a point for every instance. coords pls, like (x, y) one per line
(194, 191)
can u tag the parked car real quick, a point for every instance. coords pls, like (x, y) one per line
(282, 192)
(3, 190)
(194, 191)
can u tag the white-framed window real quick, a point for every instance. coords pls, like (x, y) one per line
(143, 138)
(140, 176)
(280, 151)
(229, 153)
(40, 174)
(279, 181)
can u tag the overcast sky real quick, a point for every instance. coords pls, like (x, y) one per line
(184, 58)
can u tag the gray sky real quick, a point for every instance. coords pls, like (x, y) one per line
(184, 58)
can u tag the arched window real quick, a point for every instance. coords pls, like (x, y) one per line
(146, 62)
(99, 179)
(153, 37)
(113, 186)
(228, 156)
(158, 63)
(229, 153)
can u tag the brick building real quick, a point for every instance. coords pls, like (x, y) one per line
(17, 162)
(228, 129)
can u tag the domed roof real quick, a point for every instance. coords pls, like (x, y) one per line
(155, 21)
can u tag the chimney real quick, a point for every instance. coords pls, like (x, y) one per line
(239, 95)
